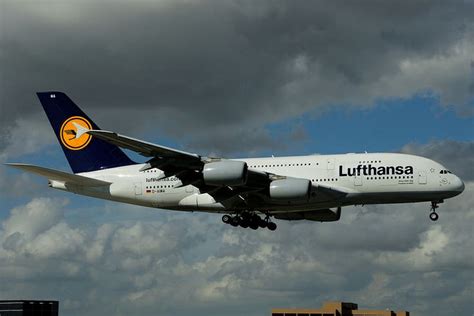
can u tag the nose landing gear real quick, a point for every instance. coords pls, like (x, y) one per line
(433, 215)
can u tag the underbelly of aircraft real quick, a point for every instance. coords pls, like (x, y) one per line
(279, 207)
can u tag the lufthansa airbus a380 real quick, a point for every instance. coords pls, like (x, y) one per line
(247, 191)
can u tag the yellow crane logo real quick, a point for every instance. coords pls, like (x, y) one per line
(73, 134)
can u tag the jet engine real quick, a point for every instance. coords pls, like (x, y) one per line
(226, 172)
(290, 189)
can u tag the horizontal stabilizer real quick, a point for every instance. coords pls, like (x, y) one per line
(57, 175)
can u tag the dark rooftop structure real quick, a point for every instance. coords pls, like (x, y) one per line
(29, 308)
(336, 309)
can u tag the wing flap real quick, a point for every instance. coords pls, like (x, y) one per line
(57, 175)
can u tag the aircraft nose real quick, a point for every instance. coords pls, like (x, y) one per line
(458, 185)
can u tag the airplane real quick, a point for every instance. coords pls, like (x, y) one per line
(248, 191)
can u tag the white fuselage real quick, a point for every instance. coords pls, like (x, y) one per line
(373, 178)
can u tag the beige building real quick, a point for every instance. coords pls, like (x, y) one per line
(336, 309)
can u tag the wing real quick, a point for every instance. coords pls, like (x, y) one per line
(190, 167)
(57, 175)
(144, 148)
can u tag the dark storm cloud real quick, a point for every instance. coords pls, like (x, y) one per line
(455, 155)
(190, 69)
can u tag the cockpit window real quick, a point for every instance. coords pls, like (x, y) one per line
(445, 171)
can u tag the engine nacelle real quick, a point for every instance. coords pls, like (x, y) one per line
(226, 172)
(290, 189)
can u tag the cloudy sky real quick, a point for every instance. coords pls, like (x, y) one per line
(238, 78)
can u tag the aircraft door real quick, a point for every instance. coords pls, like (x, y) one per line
(422, 177)
(330, 167)
(138, 188)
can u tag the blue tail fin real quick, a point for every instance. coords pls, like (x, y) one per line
(83, 152)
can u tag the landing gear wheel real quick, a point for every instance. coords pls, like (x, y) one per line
(271, 226)
(235, 221)
(246, 216)
(434, 216)
(254, 221)
(244, 223)
(226, 219)
(254, 226)
(434, 205)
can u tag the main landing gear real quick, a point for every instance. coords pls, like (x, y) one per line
(248, 219)
(433, 215)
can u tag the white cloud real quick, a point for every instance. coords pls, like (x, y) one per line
(447, 75)
(28, 135)
(151, 265)
(34, 218)
(433, 243)
(58, 242)
(142, 239)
